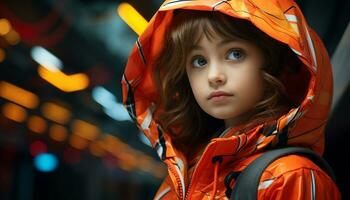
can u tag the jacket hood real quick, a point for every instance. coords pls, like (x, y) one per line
(282, 20)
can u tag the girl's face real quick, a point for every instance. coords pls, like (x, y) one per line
(229, 66)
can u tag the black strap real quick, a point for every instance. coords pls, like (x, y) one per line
(246, 186)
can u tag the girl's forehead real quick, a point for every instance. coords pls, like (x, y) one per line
(215, 37)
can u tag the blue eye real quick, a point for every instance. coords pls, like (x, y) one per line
(235, 54)
(199, 62)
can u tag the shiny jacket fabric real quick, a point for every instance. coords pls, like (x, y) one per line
(290, 177)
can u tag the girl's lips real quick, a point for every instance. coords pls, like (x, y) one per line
(219, 99)
(217, 94)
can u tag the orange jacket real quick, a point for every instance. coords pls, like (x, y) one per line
(290, 177)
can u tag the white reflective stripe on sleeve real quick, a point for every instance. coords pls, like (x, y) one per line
(162, 193)
(291, 18)
(265, 184)
(147, 121)
(313, 185)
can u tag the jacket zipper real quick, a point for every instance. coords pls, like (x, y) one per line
(194, 173)
(173, 171)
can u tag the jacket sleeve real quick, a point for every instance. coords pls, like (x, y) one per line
(300, 184)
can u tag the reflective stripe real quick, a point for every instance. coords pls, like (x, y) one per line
(313, 186)
(147, 121)
(297, 52)
(139, 47)
(174, 3)
(291, 18)
(218, 3)
(162, 193)
(265, 184)
(311, 46)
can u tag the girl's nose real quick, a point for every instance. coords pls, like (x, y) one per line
(216, 75)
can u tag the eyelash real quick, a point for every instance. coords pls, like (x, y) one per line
(241, 51)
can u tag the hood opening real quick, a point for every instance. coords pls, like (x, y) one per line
(179, 114)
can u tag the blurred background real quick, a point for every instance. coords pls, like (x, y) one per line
(64, 133)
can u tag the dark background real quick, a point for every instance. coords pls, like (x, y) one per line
(89, 37)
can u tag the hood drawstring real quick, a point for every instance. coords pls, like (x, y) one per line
(217, 161)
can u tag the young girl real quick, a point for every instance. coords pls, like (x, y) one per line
(213, 84)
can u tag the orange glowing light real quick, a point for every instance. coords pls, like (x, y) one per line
(127, 157)
(85, 129)
(56, 112)
(12, 37)
(37, 124)
(14, 112)
(78, 142)
(18, 95)
(126, 166)
(66, 83)
(96, 149)
(5, 26)
(132, 18)
(113, 144)
(58, 133)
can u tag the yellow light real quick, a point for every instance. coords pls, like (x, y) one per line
(125, 166)
(131, 17)
(58, 133)
(66, 83)
(18, 95)
(2, 55)
(96, 148)
(78, 142)
(12, 37)
(128, 157)
(113, 144)
(5, 26)
(85, 129)
(56, 113)
(14, 112)
(37, 124)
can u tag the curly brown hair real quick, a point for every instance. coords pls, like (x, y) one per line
(182, 118)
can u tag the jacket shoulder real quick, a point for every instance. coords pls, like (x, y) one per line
(288, 164)
(296, 177)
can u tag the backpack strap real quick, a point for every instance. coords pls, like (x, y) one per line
(246, 186)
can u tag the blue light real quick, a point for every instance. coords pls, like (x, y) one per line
(109, 102)
(46, 59)
(45, 162)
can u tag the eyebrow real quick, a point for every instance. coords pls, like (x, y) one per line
(222, 42)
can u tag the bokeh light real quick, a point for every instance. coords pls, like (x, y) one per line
(58, 133)
(45, 162)
(37, 124)
(14, 112)
(37, 147)
(5, 26)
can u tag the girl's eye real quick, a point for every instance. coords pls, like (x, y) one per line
(199, 62)
(235, 54)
